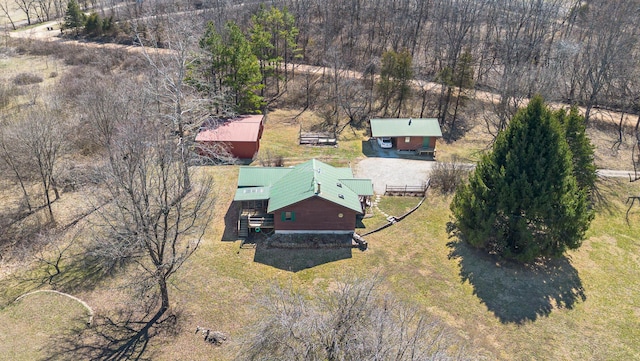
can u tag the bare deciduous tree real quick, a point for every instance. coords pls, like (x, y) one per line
(27, 6)
(41, 137)
(168, 87)
(12, 158)
(4, 6)
(354, 322)
(153, 219)
(606, 35)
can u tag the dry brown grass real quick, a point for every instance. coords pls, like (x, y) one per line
(29, 324)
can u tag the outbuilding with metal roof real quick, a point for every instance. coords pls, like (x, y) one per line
(412, 134)
(240, 137)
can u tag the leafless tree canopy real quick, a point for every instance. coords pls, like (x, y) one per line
(154, 217)
(355, 321)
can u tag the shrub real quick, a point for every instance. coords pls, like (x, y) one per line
(5, 94)
(271, 160)
(27, 78)
(445, 177)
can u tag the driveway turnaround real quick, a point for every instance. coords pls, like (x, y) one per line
(393, 172)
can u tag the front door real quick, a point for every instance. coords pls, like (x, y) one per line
(426, 142)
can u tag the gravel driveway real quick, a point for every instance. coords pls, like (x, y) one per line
(393, 171)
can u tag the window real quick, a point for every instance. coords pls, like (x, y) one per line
(407, 139)
(288, 216)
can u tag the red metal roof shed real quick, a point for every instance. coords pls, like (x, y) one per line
(240, 136)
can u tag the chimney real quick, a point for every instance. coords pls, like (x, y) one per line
(319, 184)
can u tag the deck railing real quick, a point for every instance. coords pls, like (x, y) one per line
(261, 221)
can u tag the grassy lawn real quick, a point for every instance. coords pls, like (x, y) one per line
(280, 138)
(28, 324)
(573, 308)
(584, 306)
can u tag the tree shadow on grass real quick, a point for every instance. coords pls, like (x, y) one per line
(518, 293)
(124, 337)
(300, 252)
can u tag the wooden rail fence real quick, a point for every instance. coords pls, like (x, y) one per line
(414, 191)
(317, 138)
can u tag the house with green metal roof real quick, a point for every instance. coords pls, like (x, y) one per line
(409, 134)
(312, 197)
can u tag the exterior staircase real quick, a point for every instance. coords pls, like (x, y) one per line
(243, 227)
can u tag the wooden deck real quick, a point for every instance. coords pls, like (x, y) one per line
(426, 150)
(251, 219)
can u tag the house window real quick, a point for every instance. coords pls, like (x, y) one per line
(288, 216)
(407, 139)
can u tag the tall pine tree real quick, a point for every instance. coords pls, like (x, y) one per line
(228, 68)
(523, 200)
(73, 17)
(582, 151)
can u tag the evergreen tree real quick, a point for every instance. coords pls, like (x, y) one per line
(584, 168)
(396, 73)
(273, 38)
(73, 17)
(230, 69)
(243, 71)
(93, 25)
(523, 200)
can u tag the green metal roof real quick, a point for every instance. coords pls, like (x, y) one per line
(361, 187)
(252, 193)
(405, 127)
(344, 173)
(260, 176)
(313, 179)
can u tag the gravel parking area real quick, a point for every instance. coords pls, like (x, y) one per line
(387, 167)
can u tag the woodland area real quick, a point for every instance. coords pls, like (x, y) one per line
(99, 176)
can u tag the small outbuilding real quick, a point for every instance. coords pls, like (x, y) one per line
(240, 136)
(412, 134)
(312, 197)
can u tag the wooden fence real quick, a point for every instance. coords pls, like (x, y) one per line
(413, 191)
(317, 138)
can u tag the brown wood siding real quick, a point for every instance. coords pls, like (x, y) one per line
(316, 214)
(242, 150)
(413, 144)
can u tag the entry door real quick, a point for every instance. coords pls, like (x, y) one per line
(426, 141)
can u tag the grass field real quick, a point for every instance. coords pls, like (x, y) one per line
(29, 324)
(583, 306)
